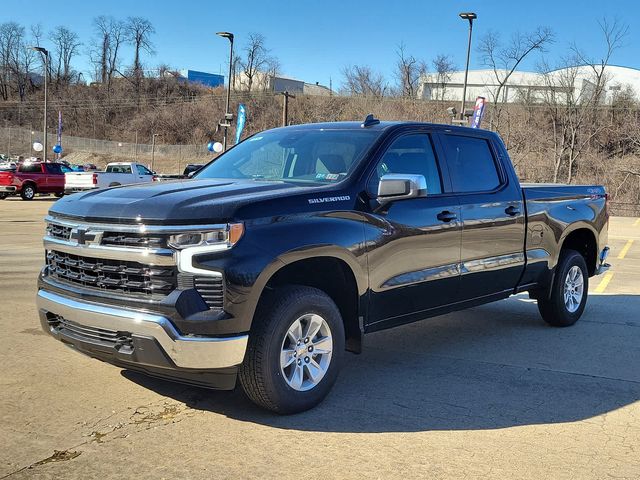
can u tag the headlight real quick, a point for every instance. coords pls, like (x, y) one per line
(229, 236)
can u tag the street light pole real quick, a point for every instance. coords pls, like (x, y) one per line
(470, 16)
(227, 114)
(45, 54)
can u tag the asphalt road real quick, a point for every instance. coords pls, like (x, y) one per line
(490, 392)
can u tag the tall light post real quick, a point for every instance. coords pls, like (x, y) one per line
(470, 16)
(45, 55)
(228, 116)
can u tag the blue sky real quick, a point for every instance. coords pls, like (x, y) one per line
(314, 40)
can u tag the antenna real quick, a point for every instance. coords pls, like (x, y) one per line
(369, 121)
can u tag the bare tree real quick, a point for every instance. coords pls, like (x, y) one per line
(11, 41)
(65, 46)
(256, 62)
(137, 32)
(573, 95)
(363, 81)
(409, 71)
(106, 46)
(503, 60)
(444, 67)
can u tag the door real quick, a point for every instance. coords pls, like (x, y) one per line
(143, 174)
(54, 177)
(413, 244)
(492, 213)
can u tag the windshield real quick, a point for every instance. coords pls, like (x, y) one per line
(312, 156)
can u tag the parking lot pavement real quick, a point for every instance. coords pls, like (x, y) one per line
(490, 392)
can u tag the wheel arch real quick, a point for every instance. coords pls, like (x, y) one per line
(336, 273)
(583, 239)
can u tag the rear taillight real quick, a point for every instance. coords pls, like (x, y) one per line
(154, 179)
(95, 179)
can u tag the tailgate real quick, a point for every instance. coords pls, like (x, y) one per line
(78, 180)
(6, 178)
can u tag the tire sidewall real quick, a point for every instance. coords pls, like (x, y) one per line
(28, 188)
(570, 260)
(279, 390)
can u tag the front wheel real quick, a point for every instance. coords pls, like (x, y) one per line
(563, 304)
(295, 350)
(3, 196)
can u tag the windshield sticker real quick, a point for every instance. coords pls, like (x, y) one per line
(341, 198)
(328, 176)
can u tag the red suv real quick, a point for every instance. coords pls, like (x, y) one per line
(32, 178)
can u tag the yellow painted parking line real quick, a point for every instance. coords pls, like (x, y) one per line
(625, 249)
(604, 282)
(636, 223)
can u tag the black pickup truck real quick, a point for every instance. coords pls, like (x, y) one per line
(284, 251)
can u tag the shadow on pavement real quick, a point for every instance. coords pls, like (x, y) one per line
(490, 367)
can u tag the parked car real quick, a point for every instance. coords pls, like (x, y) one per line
(7, 166)
(116, 174)
(31, 178)
(288, 248)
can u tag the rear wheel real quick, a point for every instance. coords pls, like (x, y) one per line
(295, 350)
(28, 192)
(563, 304)
(59, 195)
(3, 196)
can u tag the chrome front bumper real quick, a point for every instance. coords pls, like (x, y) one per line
(184, 351)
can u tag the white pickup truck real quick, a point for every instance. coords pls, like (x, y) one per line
(117, 173)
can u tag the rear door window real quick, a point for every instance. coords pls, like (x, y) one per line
(119, 169)
(471, 164)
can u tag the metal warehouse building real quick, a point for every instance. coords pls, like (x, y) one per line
(530, 86)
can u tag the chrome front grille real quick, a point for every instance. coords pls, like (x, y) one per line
(112, 275)
(134, 240)
(58, 231)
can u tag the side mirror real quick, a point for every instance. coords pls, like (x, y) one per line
(191, 174)
(401, 186)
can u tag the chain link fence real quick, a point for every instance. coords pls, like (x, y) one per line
(16, 142)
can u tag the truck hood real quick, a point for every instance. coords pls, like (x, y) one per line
(179, 202)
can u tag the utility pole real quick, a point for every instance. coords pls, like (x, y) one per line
(153, 149)
(285, 107)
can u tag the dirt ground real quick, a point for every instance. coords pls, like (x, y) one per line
(491, 392)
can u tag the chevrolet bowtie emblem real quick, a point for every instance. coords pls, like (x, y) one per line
(83, 237)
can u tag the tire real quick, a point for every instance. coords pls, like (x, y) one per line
(59, 195)
(570, 272)
(3, 196)
(262, 375)
(28, 192)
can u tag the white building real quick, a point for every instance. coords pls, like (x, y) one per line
(529, 86)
